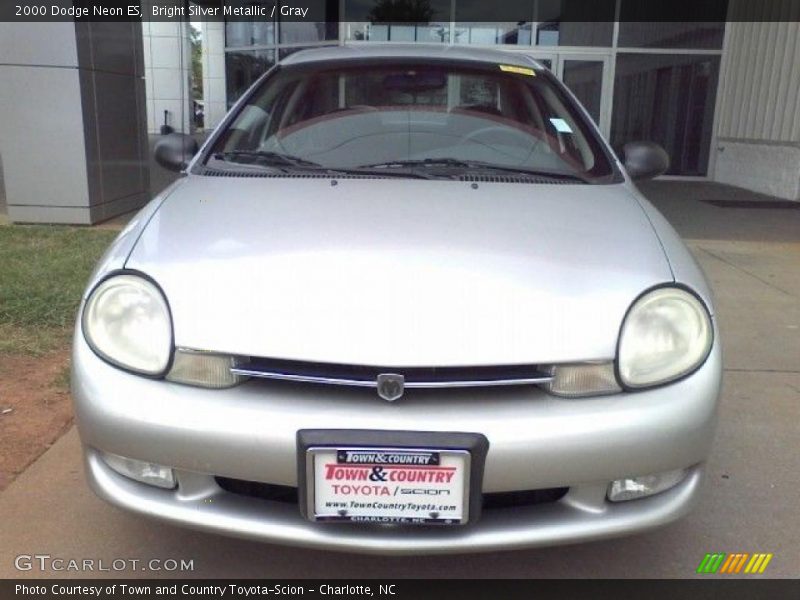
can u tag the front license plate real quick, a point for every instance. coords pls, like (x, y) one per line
(388, 485)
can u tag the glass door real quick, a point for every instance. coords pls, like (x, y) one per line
(588, 77)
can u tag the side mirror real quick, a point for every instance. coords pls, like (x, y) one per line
(645, 160)
(174, 150)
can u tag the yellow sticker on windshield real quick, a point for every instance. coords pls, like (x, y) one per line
(517, 70)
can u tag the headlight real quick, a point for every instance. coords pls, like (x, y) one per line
(126, 321)
(667, 334)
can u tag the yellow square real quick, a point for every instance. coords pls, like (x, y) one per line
(517, 70)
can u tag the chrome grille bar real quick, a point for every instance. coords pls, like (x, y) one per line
(372, 383)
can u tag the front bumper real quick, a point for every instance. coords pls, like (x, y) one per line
(536, 441)
(582, 515)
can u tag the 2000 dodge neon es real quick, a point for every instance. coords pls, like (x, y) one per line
(404, 300)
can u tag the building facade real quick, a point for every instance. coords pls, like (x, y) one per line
(73, 144)
(722, 96)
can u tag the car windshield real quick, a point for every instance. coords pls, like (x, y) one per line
(414, 119)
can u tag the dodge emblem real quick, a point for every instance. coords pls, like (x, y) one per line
(390, 386)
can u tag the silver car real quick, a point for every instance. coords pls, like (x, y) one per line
(404, 300)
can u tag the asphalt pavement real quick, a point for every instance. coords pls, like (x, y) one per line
(749, 502)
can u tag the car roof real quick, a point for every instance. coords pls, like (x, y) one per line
(421, 51)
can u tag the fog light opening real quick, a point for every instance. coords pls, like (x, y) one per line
(643, 486)
(139, 470)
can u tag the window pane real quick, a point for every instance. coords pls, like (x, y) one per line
(585, 79)
(671, 35)
(493, 33)
(297, 32)
(649, 24)
(389, 11)
(380, 20)
(248, 33)
(428, 33)
(435, 32)
(237, 33)
(263, 33)
(471, 27)
(243, 68)
(564, 22)
(668, 99)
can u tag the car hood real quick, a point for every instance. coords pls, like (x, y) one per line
(400, 272)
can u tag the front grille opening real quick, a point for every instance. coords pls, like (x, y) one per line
(469, 177)
(522, 498)
(361, 373)
(210, 172)
(288, 495)
(256, 489)
(521, 178)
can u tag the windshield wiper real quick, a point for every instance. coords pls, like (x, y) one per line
(265, 157)
(418, 169)
(472, 164)
(425, 162)
(407, 174)
(282, 161)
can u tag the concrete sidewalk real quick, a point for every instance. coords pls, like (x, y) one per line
(748, 504)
